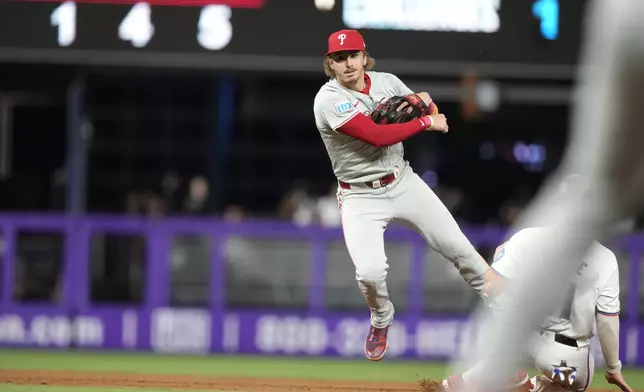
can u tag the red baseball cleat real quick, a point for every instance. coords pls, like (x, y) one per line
(376, 344)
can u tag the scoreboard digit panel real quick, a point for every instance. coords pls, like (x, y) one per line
(490, 31)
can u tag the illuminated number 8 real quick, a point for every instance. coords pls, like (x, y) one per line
(214, 30)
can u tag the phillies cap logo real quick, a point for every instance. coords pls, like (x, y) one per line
(344, 40)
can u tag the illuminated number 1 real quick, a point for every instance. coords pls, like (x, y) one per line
(64, 17)
(548, 12)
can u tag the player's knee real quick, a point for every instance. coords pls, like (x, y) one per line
(371, 274)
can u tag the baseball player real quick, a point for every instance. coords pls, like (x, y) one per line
(605, 148)
(375, 183)
(561, 349)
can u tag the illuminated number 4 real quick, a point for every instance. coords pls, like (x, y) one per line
(548, 12)
(137, 25)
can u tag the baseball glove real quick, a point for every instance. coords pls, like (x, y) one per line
(399, 109)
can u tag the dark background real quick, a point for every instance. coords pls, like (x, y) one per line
(295, 29)
(241, 118)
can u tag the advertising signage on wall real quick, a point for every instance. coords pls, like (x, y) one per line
(315, 329)
(190, 331)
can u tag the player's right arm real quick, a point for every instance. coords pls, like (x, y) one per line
(503, 265)
(507, 256)
(342, 116)
(507, 259)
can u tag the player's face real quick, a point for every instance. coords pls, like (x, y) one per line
(348, 66)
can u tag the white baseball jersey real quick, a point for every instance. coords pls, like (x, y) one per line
(353, 160)
(595, 287)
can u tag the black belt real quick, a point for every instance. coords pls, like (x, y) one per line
(384, 181)
(566, 340)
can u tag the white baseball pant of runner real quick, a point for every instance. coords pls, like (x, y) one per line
(544, 353)
(547, 353)
(606, 149)
(366, 212)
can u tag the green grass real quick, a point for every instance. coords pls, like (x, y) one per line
(282, 367)
(306, 368)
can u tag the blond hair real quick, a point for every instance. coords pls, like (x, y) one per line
(371, 64)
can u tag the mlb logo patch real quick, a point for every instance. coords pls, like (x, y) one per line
(343, 107)
(500, 252)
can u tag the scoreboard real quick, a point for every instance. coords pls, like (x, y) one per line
(289, 34)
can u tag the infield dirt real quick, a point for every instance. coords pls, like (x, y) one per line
(186, 382)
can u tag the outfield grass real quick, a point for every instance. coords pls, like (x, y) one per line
(281, 367)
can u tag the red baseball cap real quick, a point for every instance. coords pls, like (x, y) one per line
(345, 40)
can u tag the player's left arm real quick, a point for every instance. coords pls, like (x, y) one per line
(607, 316)
(402, 89)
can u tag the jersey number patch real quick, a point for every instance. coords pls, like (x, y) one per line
(499, 252)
